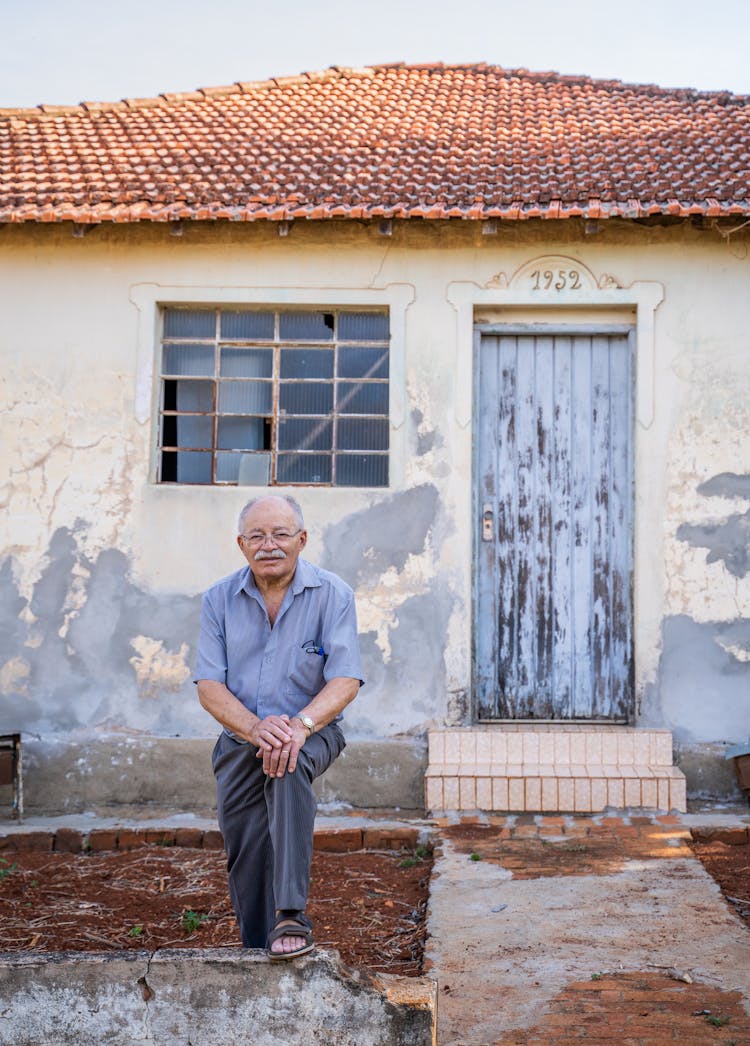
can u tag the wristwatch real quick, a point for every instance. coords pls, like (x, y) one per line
(307, 722)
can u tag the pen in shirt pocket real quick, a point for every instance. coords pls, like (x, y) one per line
(311, 647)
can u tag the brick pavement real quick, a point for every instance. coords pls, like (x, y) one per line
(649, 1002)
(646, 1008)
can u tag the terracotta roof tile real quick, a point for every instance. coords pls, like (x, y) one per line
(391, 141)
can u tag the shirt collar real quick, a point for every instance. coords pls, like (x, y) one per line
(305, 576)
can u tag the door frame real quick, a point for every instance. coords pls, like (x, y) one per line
(513, 287)
(550, 329)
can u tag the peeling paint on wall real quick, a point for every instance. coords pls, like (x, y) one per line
(701, 692)
(407, 689)
(728, 542)
(14, 676)
(157, 669)
(366, 544)
(427, 439)
(67, 651)
(75, 452)
(726, 485)
(404, 606)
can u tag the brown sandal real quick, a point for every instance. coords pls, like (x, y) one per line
(291, 926)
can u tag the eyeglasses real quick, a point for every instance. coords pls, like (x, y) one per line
(277, 537)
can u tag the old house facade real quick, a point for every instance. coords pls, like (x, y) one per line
(489, 326)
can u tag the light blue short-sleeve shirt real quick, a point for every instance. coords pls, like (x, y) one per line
(276, 671)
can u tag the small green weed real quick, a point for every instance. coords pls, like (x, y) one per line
(475, 857)
(8, 869)
(135, 931)
(419, 855)
(596, 976)
(718, 1022)
(191, 920)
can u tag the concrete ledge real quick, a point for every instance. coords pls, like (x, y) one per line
(708, 773)
(173, 773)
(208, 996)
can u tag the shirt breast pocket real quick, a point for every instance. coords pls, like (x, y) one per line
(306, 672)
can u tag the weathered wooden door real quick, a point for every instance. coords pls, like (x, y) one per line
(554, 483)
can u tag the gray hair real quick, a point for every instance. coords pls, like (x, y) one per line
(294, 505)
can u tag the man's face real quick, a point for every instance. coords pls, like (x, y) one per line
(271, 540)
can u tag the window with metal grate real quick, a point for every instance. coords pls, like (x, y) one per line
(269, 397)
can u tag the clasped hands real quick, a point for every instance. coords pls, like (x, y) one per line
(278, 741)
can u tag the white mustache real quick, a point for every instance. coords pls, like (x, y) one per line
(275, 554)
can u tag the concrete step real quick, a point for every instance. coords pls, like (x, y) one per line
(552, 768)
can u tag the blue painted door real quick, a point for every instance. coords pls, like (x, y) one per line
(554, 483)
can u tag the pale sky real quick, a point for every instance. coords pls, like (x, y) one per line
(68, 51)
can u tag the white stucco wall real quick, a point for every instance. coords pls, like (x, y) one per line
(102, 568)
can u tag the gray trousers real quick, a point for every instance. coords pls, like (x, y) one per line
(267, 824)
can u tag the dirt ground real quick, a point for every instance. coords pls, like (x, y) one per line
(730, 867)
(369, 905)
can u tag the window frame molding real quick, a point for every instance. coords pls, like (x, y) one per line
(150, 298)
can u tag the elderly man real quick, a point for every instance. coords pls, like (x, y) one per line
(278, 661)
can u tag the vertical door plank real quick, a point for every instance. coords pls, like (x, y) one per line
(621, 526)
(506, 579)
(581, 566)
(488, 441)
(523, 698)
(544, 697)
(562, 532)
(600, 683)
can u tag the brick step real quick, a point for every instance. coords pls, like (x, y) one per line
(574, 768)
(545, 789)
(554, 744)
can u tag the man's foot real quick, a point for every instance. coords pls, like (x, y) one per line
(290, 937)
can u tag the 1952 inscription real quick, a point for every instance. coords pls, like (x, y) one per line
(555, 279)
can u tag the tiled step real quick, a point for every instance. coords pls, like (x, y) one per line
(551, 768)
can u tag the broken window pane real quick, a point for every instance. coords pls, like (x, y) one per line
(192, 396)
(227, 467)
(306, 326)
(193, 467)
(194, 432)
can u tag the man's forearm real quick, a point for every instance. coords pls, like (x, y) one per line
(221, 703)
(331, 700)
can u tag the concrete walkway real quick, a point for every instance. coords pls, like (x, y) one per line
(561, 929)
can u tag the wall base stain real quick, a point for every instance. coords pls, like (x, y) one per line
(701, 688)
